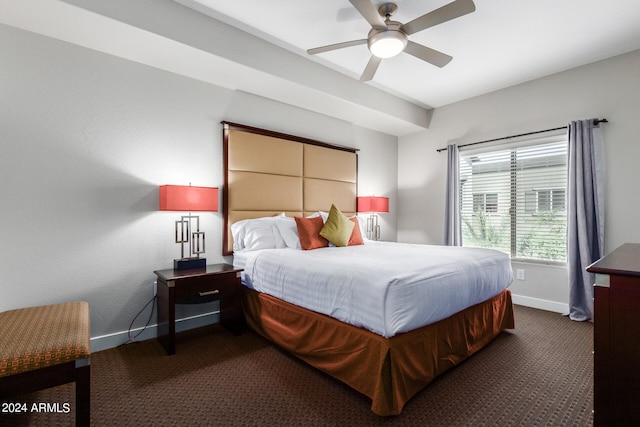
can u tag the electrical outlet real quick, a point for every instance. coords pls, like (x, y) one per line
(520, 274)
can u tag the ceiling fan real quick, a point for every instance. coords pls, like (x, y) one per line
(388, 38)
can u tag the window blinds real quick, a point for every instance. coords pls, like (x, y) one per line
(513, 198)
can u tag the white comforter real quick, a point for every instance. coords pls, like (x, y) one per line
(385, 287)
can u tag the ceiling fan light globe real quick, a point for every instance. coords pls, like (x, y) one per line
(387, 44)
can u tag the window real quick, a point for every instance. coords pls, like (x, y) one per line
(548, 200)
(485, 202)
(513, 198)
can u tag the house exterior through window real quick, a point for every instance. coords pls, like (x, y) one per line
(513, 198)
(485, 202)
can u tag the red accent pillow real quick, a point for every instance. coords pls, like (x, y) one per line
(309, 232)
(356, 235)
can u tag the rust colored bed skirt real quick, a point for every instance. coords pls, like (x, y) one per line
(388, 370)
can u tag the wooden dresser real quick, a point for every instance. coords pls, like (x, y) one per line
(617, 337)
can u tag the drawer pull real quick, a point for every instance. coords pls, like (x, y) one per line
(204, 294)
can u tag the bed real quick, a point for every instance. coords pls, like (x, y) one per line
(363, 322)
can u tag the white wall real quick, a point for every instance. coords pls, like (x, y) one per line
(87, 138)
(607, 89)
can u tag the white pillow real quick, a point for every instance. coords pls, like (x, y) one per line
(258, 233)
(289, 232)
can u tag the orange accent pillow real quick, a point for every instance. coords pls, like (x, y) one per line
(309, 232)
(356, 235)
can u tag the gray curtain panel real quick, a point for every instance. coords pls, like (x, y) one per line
(452, 221)
(585, 214)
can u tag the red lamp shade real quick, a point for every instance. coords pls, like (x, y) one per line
(373, 204)
(188, 198)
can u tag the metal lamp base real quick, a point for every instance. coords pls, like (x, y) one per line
(373, 229)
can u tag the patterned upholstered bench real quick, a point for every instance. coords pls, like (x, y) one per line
(46, 346)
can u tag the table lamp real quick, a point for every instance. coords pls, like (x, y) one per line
(188, 235)
(374, 205)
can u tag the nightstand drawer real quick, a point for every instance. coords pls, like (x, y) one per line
(201, 289)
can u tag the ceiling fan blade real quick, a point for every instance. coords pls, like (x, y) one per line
(370, 13)
(427, 54)
(336, 46)
(445, 13)
(370, 69)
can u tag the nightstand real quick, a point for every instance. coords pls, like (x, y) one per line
(217, 282)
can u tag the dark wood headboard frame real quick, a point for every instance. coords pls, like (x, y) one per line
(229, 126)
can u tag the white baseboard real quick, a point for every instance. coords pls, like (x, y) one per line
(556, 307)
(105, 342)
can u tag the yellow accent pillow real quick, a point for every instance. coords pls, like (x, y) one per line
(337, 229)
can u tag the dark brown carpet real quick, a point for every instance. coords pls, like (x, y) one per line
(540, 374)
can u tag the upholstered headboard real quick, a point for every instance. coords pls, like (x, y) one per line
(269, 172)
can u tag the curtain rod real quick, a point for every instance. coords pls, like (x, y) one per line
(596, 122)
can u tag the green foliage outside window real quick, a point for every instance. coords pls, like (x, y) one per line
(493, 231)
(486, 231)
(551, 248)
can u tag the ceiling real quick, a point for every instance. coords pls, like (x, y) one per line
(259, 47)
(502, 43)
